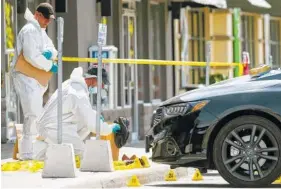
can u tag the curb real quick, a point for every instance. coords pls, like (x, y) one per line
(118, 179)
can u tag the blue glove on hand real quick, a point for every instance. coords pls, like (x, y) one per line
(48, 54)
(54, 68)
(116, 128)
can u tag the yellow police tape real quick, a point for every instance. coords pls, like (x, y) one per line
(154, 62)
(148, 61)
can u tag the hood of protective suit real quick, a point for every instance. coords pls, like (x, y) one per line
(76, 77)
(30, 18)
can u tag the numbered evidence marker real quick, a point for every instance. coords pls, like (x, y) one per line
(133, 182)
(197, 176)
(145, 162)
(171, 176)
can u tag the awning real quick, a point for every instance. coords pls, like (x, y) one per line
(246, 6)
(260, 3)
(225, 3)
(272, 7)
(215, 3)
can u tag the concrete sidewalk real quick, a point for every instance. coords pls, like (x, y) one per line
(23, 179)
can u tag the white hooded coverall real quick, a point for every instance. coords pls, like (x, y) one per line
(78, 117)
(32, 41)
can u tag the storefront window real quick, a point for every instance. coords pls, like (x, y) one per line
(275, 43)
(197, 43)
(248, 37)
(127, 71)
(155, 38)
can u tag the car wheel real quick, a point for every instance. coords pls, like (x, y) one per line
(247, 152)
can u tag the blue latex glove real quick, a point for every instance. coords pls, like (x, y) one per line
(116, 128)
(54, 68)
(48, 54)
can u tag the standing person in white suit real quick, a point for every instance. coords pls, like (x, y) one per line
(78, 118)
(38, 50)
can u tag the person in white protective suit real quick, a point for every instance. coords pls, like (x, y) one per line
(78, 119)
(38, 50)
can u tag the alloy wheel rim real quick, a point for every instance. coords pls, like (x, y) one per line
(250, 153)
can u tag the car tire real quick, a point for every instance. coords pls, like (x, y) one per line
(261, 176)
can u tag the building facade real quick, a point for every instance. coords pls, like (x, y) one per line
(147, 29)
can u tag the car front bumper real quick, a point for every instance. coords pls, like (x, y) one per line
(171, 148)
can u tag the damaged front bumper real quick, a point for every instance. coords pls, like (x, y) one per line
(165, 140)
(159, 137)
(166, 151)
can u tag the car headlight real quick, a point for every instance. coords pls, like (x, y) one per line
(183, 108)
(177, 109)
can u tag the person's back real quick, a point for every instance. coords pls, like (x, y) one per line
(73, 90)
(78, 119)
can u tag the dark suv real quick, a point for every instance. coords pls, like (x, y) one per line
(233, 127)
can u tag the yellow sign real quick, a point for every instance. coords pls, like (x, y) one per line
(8, 30)
(171, 176)
(197, 176)
(131, 27)
(145, 162)
(77, 161)
(137, 163)
(133, 182)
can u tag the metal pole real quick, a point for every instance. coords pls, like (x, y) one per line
(236, 42)
(267, 38)
(184, 45)
(16, 18)
(60, 24)
(4, 24)
(16, 38)
(135, 105)
(101, 42)
(135, 100)
(99, 90)
(208, 57)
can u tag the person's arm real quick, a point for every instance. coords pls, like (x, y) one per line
(32, 53)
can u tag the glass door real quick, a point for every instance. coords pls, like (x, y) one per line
(129, 52)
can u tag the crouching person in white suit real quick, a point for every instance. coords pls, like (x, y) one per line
(78, 119)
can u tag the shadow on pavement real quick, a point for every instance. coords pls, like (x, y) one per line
(211, 174)
(202, 185)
